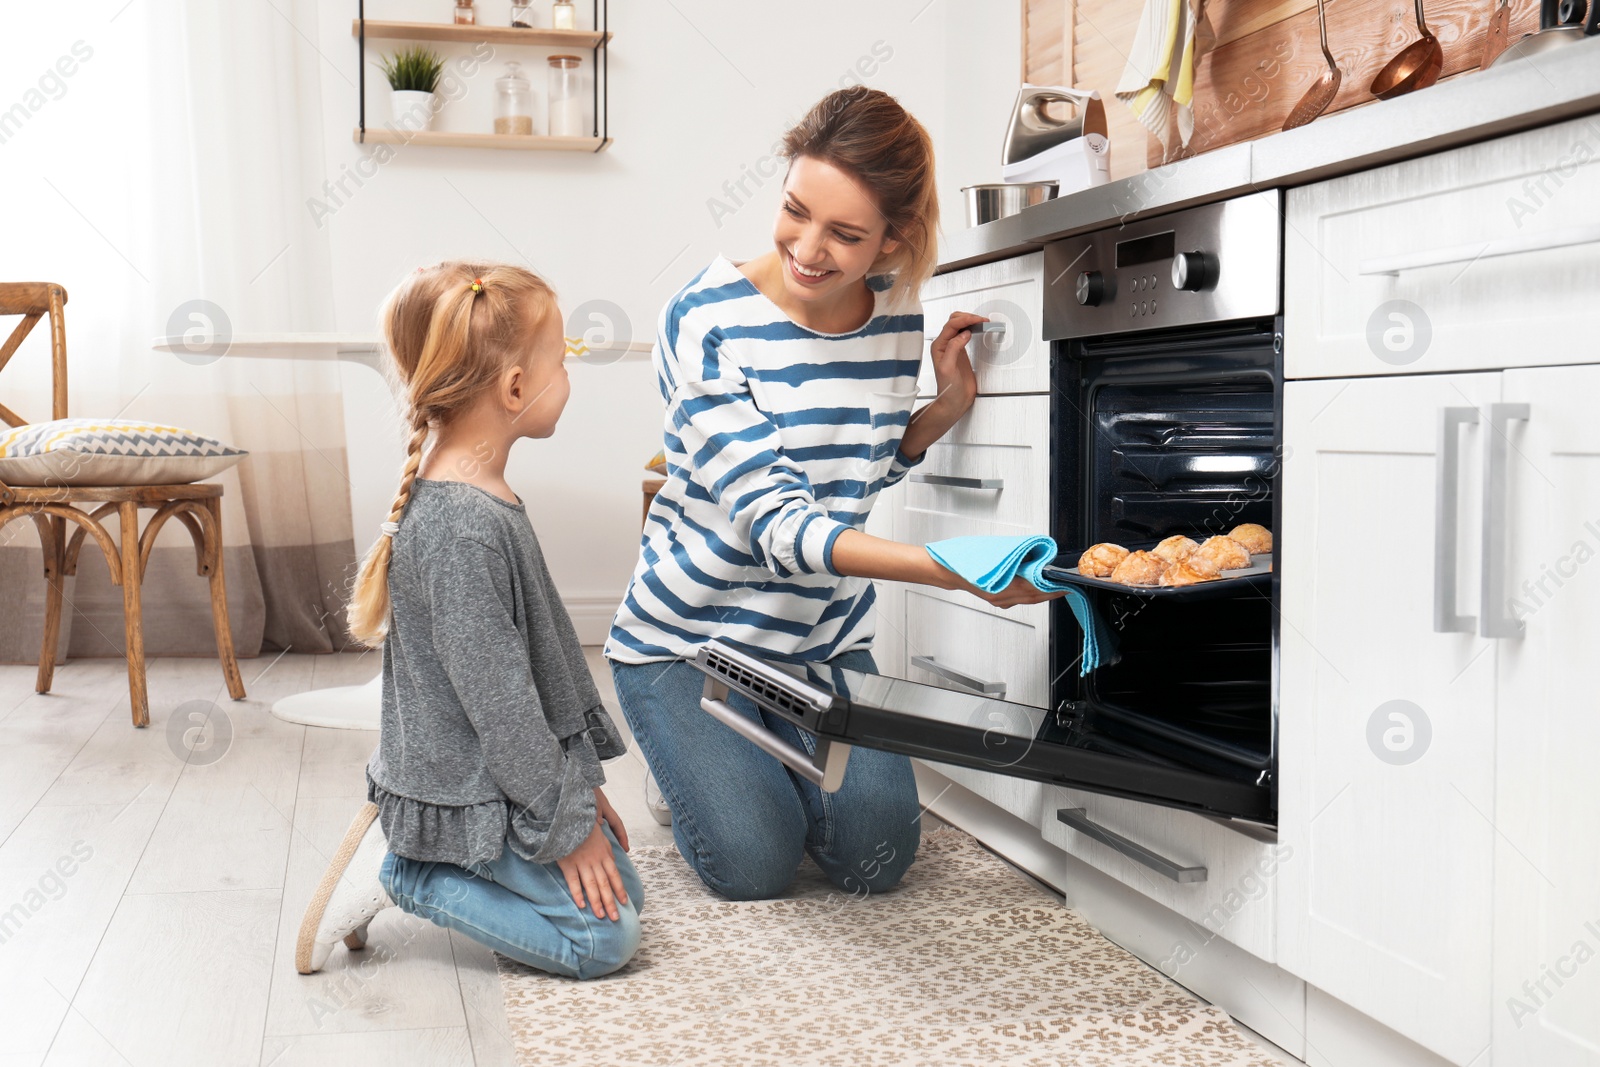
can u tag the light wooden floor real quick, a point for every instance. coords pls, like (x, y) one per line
(150, 891)
(171, 940)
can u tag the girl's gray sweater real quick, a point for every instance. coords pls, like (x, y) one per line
(492, 730)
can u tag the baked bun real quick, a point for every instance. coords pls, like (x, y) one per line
(1098, 561)
(1196, 567)
(1225, 552)
(1257, 539)
(1140, 568)
(1175, 548)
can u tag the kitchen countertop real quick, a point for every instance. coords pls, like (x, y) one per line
(1520, 94)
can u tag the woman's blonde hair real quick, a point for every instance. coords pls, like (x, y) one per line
(451, 330)
(867, 134)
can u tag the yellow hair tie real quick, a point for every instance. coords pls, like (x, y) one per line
(477, 285)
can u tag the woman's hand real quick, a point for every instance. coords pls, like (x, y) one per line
(1020, 591)
(592, 874)
(603, 811)
(865, 556)
(955, 381)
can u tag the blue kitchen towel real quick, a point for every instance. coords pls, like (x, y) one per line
(991, 563)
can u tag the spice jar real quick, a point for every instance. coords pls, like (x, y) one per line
(513, 102)
(466, 15)
(566, 105)
(563, 15)
(522, 16)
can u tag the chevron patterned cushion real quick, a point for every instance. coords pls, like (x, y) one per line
(109, 452)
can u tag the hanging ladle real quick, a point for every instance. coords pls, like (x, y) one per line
(1416, 67)
(1325, 88)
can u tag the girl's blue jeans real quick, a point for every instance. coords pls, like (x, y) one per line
(522, 909)
(740, 818)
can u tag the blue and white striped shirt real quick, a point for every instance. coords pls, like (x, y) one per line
(778, 439)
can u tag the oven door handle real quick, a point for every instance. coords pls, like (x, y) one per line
(1446, 535)
(955, 482)
(824, 770)
(1079, 820)
(965, 681)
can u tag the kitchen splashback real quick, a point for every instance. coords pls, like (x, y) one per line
(1254, 59)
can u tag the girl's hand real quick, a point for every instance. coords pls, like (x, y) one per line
(592, 874)
(603, 811)
(957, 383)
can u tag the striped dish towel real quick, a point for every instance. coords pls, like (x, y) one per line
(1160, 71)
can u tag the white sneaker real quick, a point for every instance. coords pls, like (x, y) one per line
(348, 896)
(655, 801)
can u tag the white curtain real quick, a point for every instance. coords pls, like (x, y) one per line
(163, 182)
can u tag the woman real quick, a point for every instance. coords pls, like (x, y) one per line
(790, 381)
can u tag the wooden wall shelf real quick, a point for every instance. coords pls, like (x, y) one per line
(449, 31)
(448, 139)
(596, 41)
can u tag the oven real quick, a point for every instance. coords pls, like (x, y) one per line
(1166, 399)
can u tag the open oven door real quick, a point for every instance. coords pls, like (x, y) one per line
(843, 708)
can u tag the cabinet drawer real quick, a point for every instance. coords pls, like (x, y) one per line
(964, 643)
(1019, 796)
(989, 475)
(1479, 258)
(889, 642)
(1237, 900)
(1010, 291)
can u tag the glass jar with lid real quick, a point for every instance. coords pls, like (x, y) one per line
(466, 15)
(566, 101)
(522, 14)
(513, 102)
(563, 15)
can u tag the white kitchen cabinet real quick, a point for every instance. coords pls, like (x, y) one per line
(1386, 727)
(1010, 291)
(956, 641)
(1483, 257)
(989, 475)
(889, 644)
(1547, 798)
(1234, 901)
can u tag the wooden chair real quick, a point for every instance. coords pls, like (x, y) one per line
(53, 507)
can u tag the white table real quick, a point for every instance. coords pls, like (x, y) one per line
(345, 707)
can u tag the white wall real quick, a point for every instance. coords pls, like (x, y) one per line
(700, 91)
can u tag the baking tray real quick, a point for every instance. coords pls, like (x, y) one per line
(1256, 576)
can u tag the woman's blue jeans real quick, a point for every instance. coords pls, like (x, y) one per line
(521, 909)
(741, 819)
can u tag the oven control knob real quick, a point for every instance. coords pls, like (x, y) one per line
(1194, 271)
(1091, 288)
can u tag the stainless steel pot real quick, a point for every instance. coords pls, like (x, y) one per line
(985, 203)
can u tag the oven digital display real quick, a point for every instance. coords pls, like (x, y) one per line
(1157, 246)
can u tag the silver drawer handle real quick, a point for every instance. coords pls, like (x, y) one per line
(965, 681)
(1496, 619)
(1078, 819)
(959, 483)
(1504, 246)
(825, 770)
(1447, 501)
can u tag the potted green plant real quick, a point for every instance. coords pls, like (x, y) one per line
(413, 75)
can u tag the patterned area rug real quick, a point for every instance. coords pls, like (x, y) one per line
(965, 962)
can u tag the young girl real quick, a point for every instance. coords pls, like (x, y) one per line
(484, 812)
